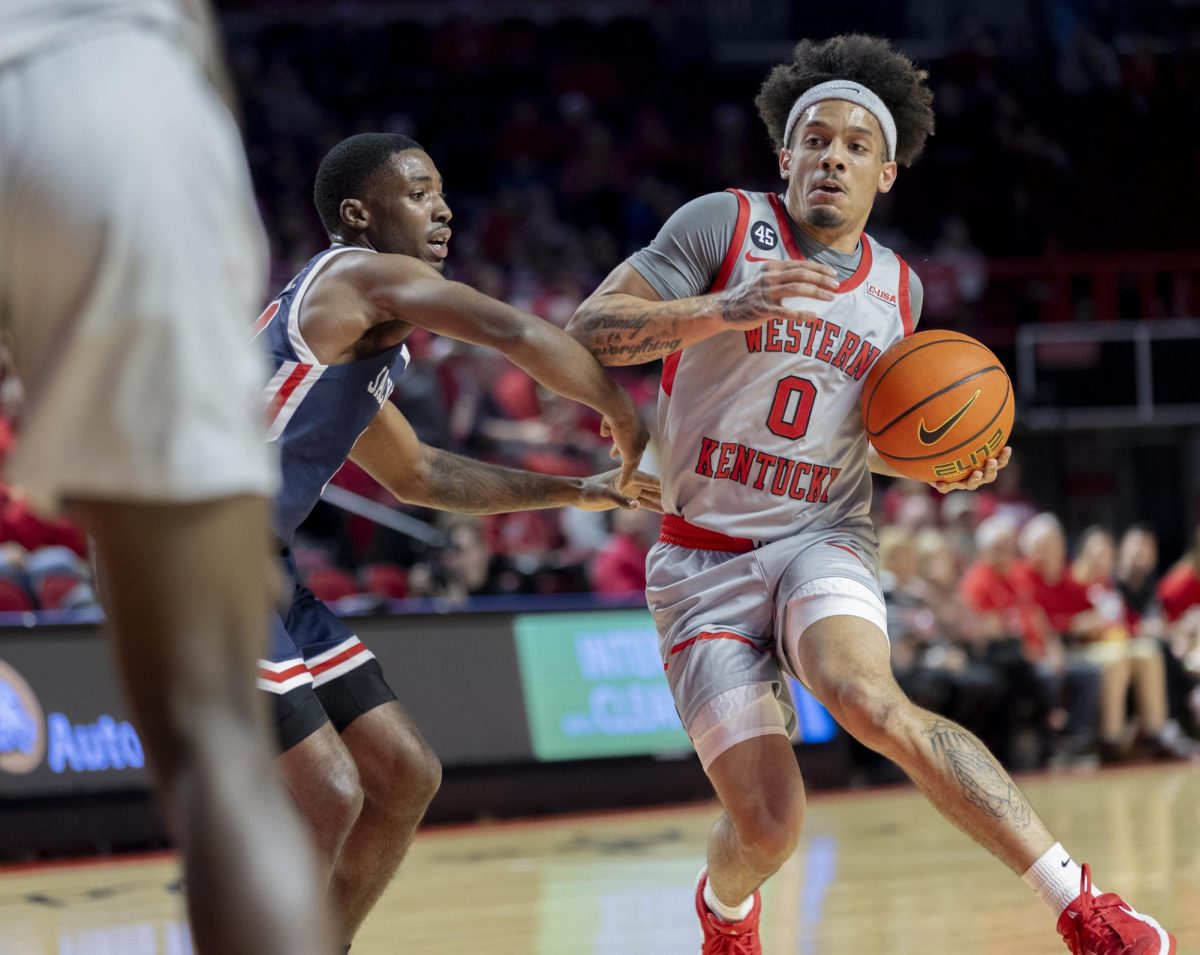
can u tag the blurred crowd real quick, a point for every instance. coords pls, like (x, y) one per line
(565, 143)
(1052, 651)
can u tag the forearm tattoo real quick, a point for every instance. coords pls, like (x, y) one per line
(624, 340)
(474, 487)
(983, 782)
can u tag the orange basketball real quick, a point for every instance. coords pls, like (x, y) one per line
(937, 405)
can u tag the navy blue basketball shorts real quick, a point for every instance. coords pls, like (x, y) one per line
(316, 670)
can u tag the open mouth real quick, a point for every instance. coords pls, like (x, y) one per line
(439, 243)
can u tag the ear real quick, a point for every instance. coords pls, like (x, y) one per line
(887, 176)
(354, 214)
(785, 163)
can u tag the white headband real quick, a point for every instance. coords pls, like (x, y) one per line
(851, 92)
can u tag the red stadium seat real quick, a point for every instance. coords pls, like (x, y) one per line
(13, 597)
(389, 581)
(53, 589)
(330, 583)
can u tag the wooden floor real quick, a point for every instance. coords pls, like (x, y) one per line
(877, 874)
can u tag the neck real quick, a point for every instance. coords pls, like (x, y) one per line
(843, 238)
(359, 241)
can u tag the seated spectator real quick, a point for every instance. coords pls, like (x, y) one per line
(619, 567)
(1093, 627)
(1179, 592)
(931, 662)
(1030, 675)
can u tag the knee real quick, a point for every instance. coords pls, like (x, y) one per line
(769, 828)
(407, 778)
(867, 710)
(338, 801)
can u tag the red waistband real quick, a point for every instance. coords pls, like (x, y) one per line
(675, 530)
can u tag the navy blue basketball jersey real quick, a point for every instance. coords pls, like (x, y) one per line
(315, 412)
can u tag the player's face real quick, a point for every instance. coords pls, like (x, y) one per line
(408, 210)
(835, 167)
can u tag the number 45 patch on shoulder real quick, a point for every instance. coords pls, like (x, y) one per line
(763, 235)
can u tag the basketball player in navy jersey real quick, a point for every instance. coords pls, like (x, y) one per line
(768, 310)
(359, 769)
(127, 268)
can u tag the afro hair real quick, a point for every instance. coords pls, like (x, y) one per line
(868, 60)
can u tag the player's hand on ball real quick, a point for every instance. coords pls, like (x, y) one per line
(606, 491)
(976, 479)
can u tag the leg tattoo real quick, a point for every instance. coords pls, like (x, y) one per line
(983, 783)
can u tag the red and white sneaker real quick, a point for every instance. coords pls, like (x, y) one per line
(1105, 925)
(728, 938)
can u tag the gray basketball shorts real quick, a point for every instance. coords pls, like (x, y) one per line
(723, 617)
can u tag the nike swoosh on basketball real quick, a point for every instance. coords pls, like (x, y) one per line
(926, 436)
(751, 257)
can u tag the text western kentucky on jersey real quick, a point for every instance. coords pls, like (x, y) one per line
(761, 432)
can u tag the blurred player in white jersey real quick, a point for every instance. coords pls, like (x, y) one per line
(131, 260)
(769, 310)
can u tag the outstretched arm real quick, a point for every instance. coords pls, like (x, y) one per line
(415, 293)
(390, 451)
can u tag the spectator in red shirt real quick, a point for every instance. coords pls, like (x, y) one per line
(619, 567)
(998, 608)
(1179, 591)
(1082, 607)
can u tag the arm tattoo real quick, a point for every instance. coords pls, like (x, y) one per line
(624, 340)
(474, 487)
(983, 783)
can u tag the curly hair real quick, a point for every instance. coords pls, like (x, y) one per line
(868, 60)
(347, 167)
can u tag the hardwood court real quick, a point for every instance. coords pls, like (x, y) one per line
(877, 874)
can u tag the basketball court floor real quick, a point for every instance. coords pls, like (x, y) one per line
(878, 873)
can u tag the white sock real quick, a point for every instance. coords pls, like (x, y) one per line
(1055, 878)
(727, 913)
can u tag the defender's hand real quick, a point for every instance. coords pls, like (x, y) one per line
(976, 480)
(629, 437)
(600, 493)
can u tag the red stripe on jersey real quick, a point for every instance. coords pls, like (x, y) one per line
(671, 362)
(265, 318)
(282, 676)
(848, 551)
(735, 245)
(905, 303)
(677, 531)
(785, 227)
(712, 635)
(793, 248)
(340, 658)
(669, 370)
(290, 384)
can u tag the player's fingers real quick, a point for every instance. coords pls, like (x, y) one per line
(778, 293)
(1005, 456)
(628, 469)
(605, 428)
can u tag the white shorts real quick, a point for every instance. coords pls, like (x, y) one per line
(132, 264)
(728, 619)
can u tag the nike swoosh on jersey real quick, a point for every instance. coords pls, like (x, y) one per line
(751, 257)
(926, 436)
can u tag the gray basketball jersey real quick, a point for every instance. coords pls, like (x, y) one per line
(761, 433)
(29, 26)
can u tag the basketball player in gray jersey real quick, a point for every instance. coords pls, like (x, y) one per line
(768, 311)
(131, 257)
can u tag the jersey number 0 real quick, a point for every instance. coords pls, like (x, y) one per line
(792, 407)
